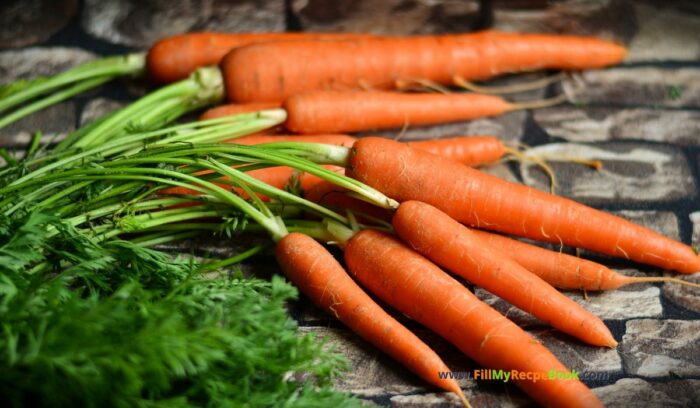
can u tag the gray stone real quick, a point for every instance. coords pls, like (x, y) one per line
(624, 304)
(27, 22)
(632, 172)
(638, 86)
(97, 108)
(141, 23)
(508, 127)
(657, 348)
(593, 363)
(510, 397)
(610, 19)
(30, 63)
(676, 393)
(436, 400)
(695, 219)
(372, 373)
(665, 33)
(501, 170)
(663, 222)
(386, 17)
(684, 296)
(590, 124)
(55, 122)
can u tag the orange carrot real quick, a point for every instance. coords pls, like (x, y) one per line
(455, 247)
(272, 72)
(486, 201)
(468, 150)
(176, 57)
(318, 275)
(416, 287)
(355, 111)
(563, 270)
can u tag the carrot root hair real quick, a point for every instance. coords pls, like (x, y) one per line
(508, 89)
(523, 157)
(419, 84)
(665, 279)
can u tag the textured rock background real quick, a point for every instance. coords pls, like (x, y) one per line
(642, 119)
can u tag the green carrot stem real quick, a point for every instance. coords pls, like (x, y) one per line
(162, 238)
(204, 86)
(111, 67)
(52, 100)
(238, 258)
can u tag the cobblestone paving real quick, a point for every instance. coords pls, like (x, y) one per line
(642, 119)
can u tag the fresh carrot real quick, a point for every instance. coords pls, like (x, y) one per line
(486, 201)
(416, 287)
(319, 275)
(469, 150)
(565, 271)
(455, 247)
(175, 58)
(272, 72)
(356, 111)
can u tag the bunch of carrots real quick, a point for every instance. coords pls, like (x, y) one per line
(426, 212)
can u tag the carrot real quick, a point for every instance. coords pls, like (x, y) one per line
(355, 111)
(468, 150)
(272, 72)
(485, 201)
(175, 58)
(318, 275)
(563, 270)
(416, 287)
(455, 247)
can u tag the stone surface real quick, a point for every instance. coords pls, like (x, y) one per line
(388, 16)
(27, 22)
(140, 23)
(667, 31)
(98, 107)
(29, 63)
(663, 222)
(695, 219)
(593, 363)
(610, 19)
(676, 393)
(620, 304)
(372, 373)
(591, 124)
(631, 172)
(684, 296)
(639, 86)
(55, 122)
(508, 127)
(657, 348)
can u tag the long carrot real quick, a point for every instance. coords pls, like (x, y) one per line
(565, 271)
(455, 247)
(355, 111)
(419, 289)
(174, 58)
(486, 201)
(319, 275)
(275, 71)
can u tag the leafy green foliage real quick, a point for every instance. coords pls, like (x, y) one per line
(113, 324)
